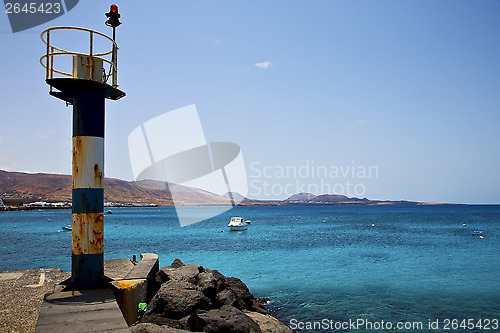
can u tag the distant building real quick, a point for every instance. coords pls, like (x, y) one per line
(43, 204)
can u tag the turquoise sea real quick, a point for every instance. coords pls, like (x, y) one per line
(320, 265)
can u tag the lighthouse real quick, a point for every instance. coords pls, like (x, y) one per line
(91, 80)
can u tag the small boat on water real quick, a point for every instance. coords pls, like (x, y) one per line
(238, 223)
(68, 228)
(478, 233)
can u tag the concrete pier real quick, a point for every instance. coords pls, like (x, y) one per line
(33, 301)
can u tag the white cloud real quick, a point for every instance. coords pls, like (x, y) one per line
(217, 42)
(0, 140)
(42, 136)
(263, 65)
(363, 122)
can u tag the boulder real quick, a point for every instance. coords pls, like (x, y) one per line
(220, 279)
(236, 294)
(160, 320)
(177, 299)
(223, 320)
(177, 263)
(187, 273)
(268, 324)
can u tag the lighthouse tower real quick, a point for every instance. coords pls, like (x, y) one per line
(85, 86)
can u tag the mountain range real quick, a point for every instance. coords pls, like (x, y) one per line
(19, 187)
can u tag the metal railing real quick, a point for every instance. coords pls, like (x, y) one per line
(47, 61)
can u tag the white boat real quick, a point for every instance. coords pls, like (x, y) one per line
(237, 223)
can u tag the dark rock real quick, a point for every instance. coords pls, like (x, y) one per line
(184, 321)
(177, 263)
(187, 273)
(220, 279)
(227, 297)
(158, 319)
(160, 278)
(177, 299)
(227, 319)
(207, 284)
(154, 318)
(257, 307)
(153, 328)
(236, 294)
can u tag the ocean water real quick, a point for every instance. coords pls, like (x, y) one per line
(324, 268)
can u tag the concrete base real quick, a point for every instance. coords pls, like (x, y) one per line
(81, 311)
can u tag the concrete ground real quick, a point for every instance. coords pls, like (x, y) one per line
(21, 295)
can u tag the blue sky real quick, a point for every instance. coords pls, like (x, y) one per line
(410, 87)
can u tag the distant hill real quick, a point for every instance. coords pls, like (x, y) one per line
(324, 199)
(54, 187)
(337, 198)
(301, 197)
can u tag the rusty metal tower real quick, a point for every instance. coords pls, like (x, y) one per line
(85, 88)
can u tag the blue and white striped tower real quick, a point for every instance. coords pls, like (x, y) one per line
(86, 89)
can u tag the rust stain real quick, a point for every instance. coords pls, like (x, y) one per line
(88, 162)
(130, 284)
(77, 155)
(98, 175)
(88, 232)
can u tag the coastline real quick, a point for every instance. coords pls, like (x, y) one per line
(244, 204)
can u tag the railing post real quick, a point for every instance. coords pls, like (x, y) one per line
(51, 63)
(115, 67)
(47, 59)
(91, 43)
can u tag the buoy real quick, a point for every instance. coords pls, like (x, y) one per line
(15, 226)
(48, 220)
(58, 230)
(464, 224)
(322, 233)
(373, 225)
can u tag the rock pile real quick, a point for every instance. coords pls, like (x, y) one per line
(196, 299)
